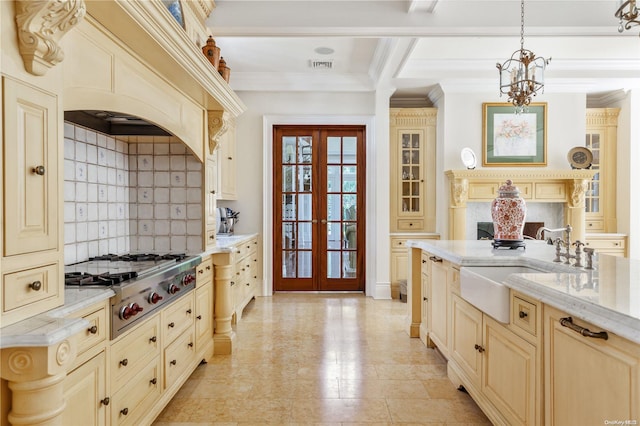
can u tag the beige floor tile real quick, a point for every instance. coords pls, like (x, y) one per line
(322, 360)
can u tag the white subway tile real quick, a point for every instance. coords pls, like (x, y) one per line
(93, 231)
(111, 143)
(161, 195)
(69, 233)
(145, 148)
(145, 211)
(82, 251)
(145, 244)
(194, 179)
(161, 163)
(113, 245)
(81, 191)
(101, 140)
(81, 231)
(69, 191)
(121, 146)
(102, 193)
(194, 227)
(177, 148)
(91, 137)
(133, 162)
(120, 161)
(94, 248)
(92, 154)
(121, 194)
(112, 208)
(103, 174)
(194, 245)
(133, 179)
(178, 179)
(69, 130)
(133, 227)
(102, 157)
(178, 243)
(178, 227)
(69, 170)
(103, 246)
(111, 158)
(69, 148)
(162, 211)
(145, 179)
(81, 171)
(161, 148)
(178, 196)
(178, 211)
(193, 163)
(92, 173)
(103, 214)
(133, 149)
(122, 245)
(112, 194)
(69, 212)
(178, 163)
(81, 134)
(113, 228)
(194, 211)
(145, 195)
(81, 212)
(70, 254)
(121, 228)
(162, 179)
(163, 244)
(194, 195)
(112, 178)
(92, 211)
(161, 227)
(133, 211)
(145, 162)
(81, 152)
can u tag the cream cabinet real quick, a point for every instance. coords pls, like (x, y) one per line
(227, 166)
(245, 276)
(211, 192)
(85, 393)
(588, 379)
(600, 198)
(204, 303)
(424, 295)
(400, 258)
(32, 252)
(614, 244)
(442, 276)
(500, 369)
(412, 134)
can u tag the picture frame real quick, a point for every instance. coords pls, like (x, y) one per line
(510, 139)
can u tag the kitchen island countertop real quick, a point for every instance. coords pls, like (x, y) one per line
(608, 296)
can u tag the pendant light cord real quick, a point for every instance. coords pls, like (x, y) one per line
(522, 25)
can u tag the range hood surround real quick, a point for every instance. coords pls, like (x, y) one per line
(114, 123)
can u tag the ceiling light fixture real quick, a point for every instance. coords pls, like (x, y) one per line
(629, 12)
(522, 76)
(323, 50)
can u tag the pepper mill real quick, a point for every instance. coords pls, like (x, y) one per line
(212, 52)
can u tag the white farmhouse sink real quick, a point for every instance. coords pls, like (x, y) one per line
(483, 287)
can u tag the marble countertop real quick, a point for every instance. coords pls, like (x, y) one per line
(608, 297)
(226, 243)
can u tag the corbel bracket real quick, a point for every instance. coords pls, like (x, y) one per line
(218, 123)
(41, 24)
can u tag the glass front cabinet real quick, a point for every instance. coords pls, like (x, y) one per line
(413, 139)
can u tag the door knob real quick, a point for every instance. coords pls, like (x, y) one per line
(324, 221)
(314, 221)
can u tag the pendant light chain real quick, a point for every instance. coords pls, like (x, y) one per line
(522, 25)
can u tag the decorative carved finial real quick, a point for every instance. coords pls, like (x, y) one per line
(218, 123)
(41, 25)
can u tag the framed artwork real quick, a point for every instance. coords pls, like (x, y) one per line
(510, 139)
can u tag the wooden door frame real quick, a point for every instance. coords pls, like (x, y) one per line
(321, 133)
(268, 122)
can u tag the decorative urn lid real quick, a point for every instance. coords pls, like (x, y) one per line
(508, 190)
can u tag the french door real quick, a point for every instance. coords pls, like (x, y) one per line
(319, 208)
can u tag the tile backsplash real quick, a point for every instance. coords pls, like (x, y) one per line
(129, 194)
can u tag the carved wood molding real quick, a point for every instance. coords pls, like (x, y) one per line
(459, 192)
(218, 123)
(413, 116)
(41, 24)
(202, 8)
(578, 190)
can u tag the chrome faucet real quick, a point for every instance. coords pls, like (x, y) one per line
(566, 242)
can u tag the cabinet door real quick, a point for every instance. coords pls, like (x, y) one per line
(204, 315)
(466, 338)
(84, 393)
(211, 181)
(439, 304)
(509, 375)
(588, 380)
(30, 169)
(227, 165)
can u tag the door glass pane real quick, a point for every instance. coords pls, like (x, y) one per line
(333, 150)
(304, 264)
(349, 179)
(349, 269)
(288, 149)
(349, 151)
(349, 232)
(288, 235)
(349, 206)
(304, 179)
(304, 235)
(289, 264)
(333, 178)
(405, 140)
(304, 150)
(333, 264)
(333, 207)
(289, 207)
(288, 182)
(333, 236)
(304, 208)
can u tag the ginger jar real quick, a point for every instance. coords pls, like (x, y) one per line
(508, 212)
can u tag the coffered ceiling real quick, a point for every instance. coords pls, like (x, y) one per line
(409, 46)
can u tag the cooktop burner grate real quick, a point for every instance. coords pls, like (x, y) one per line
(106, 279)
(140, 257)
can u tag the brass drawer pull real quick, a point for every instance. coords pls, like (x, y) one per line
(39, 170)
(105, 401)
(35, 286)
(568, 322)
(153, 339)
(93, 329)
(435, 259)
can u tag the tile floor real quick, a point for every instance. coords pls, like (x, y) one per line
(322, 359)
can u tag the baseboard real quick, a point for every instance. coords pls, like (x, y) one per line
(383, 291)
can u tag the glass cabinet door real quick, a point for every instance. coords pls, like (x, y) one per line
(411, 147)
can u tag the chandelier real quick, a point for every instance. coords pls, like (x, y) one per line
(522, 76)
(629, 12)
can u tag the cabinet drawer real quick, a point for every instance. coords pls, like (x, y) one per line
(594, 225)
(424, 261)
(130, 350)
(177, 317)
(550, 191)
(178, 356)
(28, 287)
(410, 224)
(97, 330)
(398, 243)
(141, 392)
(524, 314)
(204, 272)
(606, 244)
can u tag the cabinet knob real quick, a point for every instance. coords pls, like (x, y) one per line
(93, 329)
(213, 191)
(35, 286)
(208, 268)
(189, 311)
(426, 299)
(190, 344)
(229, 158)
(105, 401)
(153, 339)
(424, 261)
(199, 317)
(212, 237)
(523, 314)
(173, 362)
(124, 362)
(153, 381)
(410, 224)
(124, 411)
(39, 170)
(479, 348)
(171, 324)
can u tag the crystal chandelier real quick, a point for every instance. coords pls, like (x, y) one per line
(522, 76)
(629, 12)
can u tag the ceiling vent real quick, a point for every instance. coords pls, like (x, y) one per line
(321, 64)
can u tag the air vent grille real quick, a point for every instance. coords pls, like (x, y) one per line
(321, 64)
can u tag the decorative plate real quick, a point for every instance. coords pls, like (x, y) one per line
(580, 157)
(468, 158)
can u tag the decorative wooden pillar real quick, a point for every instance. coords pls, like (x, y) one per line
(574, 208)
(223, 335)
(458, 209)
(36, 376)
(414, 292)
